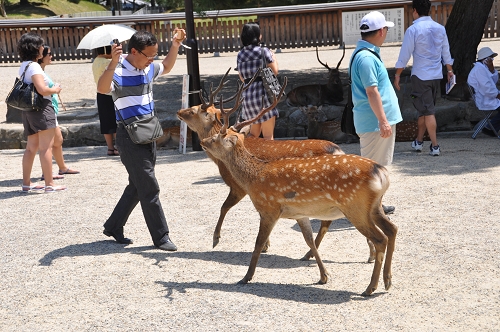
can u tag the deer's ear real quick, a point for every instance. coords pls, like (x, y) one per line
(245, 130)
(231, 140)
(210, 116)
(216, 116)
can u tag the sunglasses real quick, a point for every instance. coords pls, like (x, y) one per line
(148, 57)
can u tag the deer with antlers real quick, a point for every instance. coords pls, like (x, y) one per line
(204, 119)
(324, 187)
(319, 94)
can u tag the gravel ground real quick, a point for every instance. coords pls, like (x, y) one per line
(60, 273)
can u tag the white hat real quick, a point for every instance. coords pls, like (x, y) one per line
(374, 21)
(484, 53)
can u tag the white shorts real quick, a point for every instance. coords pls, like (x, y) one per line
(378, 149)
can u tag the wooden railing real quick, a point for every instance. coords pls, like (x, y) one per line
(283, 27)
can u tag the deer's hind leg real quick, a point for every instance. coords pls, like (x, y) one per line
(390, 230)
(363, 222)
(305, 227)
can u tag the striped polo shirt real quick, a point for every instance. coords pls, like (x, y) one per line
(132, 90)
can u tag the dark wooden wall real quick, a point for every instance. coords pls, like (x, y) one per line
(283, 27)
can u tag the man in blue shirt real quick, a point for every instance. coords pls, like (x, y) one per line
(130, 78)
(483, 78)
(426, 40)
(376, 109)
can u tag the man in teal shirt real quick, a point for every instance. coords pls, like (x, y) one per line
(376, 109)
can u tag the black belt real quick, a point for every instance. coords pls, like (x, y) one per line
(258, 79)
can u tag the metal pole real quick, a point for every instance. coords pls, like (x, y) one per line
(193, 66)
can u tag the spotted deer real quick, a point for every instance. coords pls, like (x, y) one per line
(319, 94)
(205, 119)
(324, 187)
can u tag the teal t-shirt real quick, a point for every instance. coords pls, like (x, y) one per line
(55, 103)
(367, 70)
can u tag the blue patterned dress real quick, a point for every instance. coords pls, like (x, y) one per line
(248, 62)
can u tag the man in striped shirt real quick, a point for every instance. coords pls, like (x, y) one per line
(129, 78)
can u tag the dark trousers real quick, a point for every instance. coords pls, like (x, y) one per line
(495, 120)
(139, 160)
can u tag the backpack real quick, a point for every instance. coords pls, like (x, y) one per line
(347, 122)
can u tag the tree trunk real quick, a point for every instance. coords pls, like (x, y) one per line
(2, 9)
(465, 28)
(24, 2)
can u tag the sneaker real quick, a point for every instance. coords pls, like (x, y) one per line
(435, 151)
(417, 146)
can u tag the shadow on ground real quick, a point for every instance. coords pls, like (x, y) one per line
(296, 293)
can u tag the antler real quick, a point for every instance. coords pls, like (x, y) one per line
(206, 105)
(240, 125)
(237, 104)
(317, 56)
(245, 86)
(343, 54)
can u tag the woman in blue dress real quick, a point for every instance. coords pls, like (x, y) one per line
(248, 62)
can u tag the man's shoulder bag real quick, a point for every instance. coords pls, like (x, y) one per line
(143, 131)
(271, 83)
(24, 96)
(347, 122)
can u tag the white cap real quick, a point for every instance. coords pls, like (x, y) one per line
(374, 21)
(484, 53)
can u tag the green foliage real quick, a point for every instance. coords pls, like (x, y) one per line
(201, 6)
(47, 8)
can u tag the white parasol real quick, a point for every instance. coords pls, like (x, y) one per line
(104, 35)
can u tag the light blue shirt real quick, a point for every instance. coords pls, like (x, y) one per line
(484, 82)
(366, 71)
(426, 40)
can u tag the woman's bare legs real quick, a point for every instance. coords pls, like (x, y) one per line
(29, 158)
(266, 127)
(57, 149)
(109, 142)
(45, 143)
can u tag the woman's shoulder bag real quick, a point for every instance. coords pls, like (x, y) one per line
(24, 96)
(271, 83)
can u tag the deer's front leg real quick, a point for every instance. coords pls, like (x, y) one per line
(325, 224)
(266, 226)
(235, 195)
(305, 227)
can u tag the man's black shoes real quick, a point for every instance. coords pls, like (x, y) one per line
(166, 244)
(118, 237)
(388, 209)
